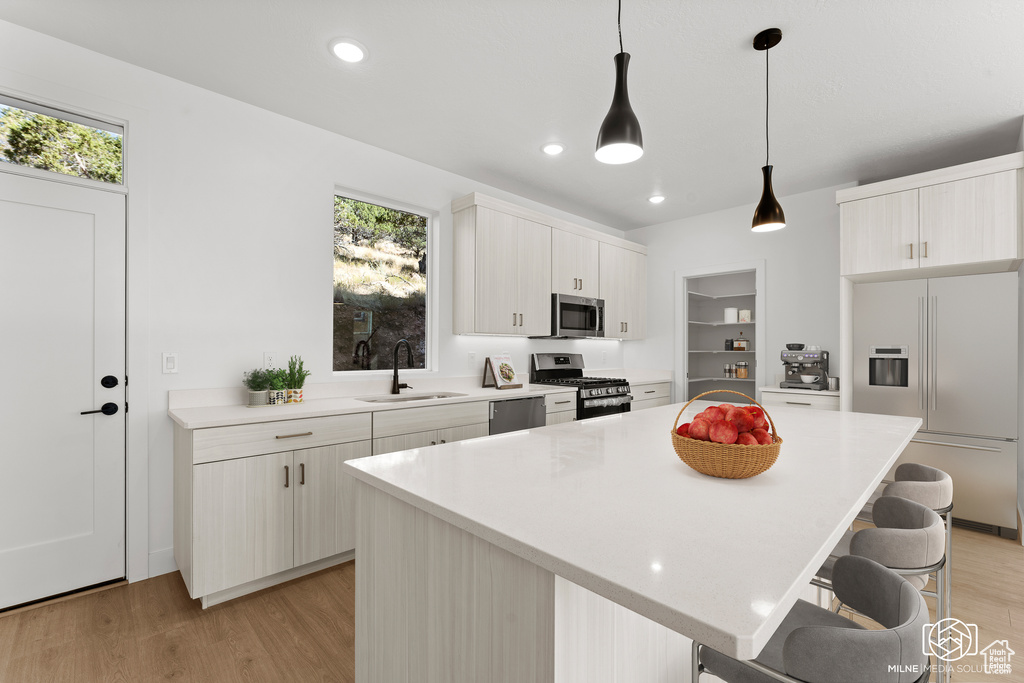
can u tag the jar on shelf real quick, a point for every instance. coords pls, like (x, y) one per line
(742, 370)
(741, 343)
(728, 344)
(727, 370)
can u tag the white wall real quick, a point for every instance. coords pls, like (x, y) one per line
(230, 222)
(801, 274)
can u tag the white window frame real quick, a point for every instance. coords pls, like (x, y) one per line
(430, 361)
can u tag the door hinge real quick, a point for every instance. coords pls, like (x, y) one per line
(126, 380)
(126, 407)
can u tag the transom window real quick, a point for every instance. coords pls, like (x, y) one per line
(40, 137)
(380, 285)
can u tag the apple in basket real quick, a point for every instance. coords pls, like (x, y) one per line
(699, 429)
(713, 414)
(746, 439)
(743, 420)
(723, 431)
(762, 436)
(684, 429)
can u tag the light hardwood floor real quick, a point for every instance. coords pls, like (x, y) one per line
(304, 630)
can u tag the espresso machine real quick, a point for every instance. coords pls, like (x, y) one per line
(805, 369)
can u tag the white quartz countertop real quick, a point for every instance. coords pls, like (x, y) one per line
(190, 412)
(607, 504)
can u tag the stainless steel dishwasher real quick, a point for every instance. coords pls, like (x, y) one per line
(512, 414)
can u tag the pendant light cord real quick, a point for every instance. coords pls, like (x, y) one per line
(620, 27)
(766, 142)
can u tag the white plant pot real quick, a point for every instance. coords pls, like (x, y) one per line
(257, 398)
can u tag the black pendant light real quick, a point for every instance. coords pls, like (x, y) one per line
(619, 141)
(768, 215)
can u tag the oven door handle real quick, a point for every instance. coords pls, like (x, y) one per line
(603, 401)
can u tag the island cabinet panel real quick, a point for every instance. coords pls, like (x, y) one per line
(879, 234)
(236, 441)
(324, 509)
(489, 612)
(975, 219)
(242, 521)
(575, 264)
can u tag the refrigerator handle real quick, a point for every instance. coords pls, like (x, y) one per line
(921, 336)
(932, 353)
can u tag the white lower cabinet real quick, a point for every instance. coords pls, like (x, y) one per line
(651, 395)
(243, 525)
(791, 399)
(560, 407)
(430, 437)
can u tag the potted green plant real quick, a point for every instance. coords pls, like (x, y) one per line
(277, 393)
(296, 378)
(257, 382)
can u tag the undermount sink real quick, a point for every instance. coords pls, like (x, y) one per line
(399, 398)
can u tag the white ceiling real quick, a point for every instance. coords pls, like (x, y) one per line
(862, 90)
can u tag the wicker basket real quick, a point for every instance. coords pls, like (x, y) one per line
(728, 461)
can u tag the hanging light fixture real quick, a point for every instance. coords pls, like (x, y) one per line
(768, 215)
(619, 141)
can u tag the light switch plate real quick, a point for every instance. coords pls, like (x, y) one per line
(169, 363)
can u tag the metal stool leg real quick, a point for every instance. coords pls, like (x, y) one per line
(695, 662)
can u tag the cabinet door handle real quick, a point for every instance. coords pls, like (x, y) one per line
(581, 283)
(286, 476)
(442, 441)
(520, 320)
(433, 443)
(911, 245)
(925, 250)
(558, 403)
(797, 403)
(302, 474)
(292, 436)
(649, 392)
(513, 320)
(575, 283)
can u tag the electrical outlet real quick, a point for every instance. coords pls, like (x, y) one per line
(472, 359)
(269, 359)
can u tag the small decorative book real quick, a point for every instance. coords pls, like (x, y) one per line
(499, 373)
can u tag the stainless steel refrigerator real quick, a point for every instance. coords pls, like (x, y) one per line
(945, 350)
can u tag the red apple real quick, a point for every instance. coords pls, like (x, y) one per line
(762, 436)
(684, 429)
(758, 415)
(699, 429)
(743, 420)
(747, 439)
(714, 413)
(726, 407)
(723, 431)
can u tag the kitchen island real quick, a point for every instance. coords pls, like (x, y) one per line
(589, 551)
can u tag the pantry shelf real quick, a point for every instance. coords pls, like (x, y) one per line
(722, 296)
(718, 324)
(720, 379)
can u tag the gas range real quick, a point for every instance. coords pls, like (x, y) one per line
(594, 395)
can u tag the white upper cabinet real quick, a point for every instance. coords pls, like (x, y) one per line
(509, 260)
(879, 233)
(970, 220)
(575, 264)
(962, 220)
(624, 290)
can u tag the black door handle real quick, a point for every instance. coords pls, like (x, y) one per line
(109, 382)
(107, 409)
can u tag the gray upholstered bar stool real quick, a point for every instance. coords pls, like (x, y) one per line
(932, 488)
(815, 645)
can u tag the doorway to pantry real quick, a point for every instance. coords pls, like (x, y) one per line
(720, 331)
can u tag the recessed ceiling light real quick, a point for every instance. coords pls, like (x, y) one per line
(553, 149)
(656, 199)
(348, 50)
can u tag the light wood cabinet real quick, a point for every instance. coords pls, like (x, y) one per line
(651, 395)
(879, 233)
(559, 418)
(970, 220)
(790, 399)
(503, 273)
(575, 264)
(962, 220)
(243, 526)
(430, 437)
(508, 260)
(323, 505)
(624, 290)
(560, 407)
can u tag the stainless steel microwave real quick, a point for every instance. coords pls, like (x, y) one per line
(576, 316)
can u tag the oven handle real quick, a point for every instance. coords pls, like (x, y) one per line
(613, 401)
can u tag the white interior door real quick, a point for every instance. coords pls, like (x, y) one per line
(62, 307)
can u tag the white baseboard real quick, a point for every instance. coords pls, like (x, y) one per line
(162, 562)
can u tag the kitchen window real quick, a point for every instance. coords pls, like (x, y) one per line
(53, 140)
(380, 285)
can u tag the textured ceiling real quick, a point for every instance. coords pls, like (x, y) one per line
(862, 90)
